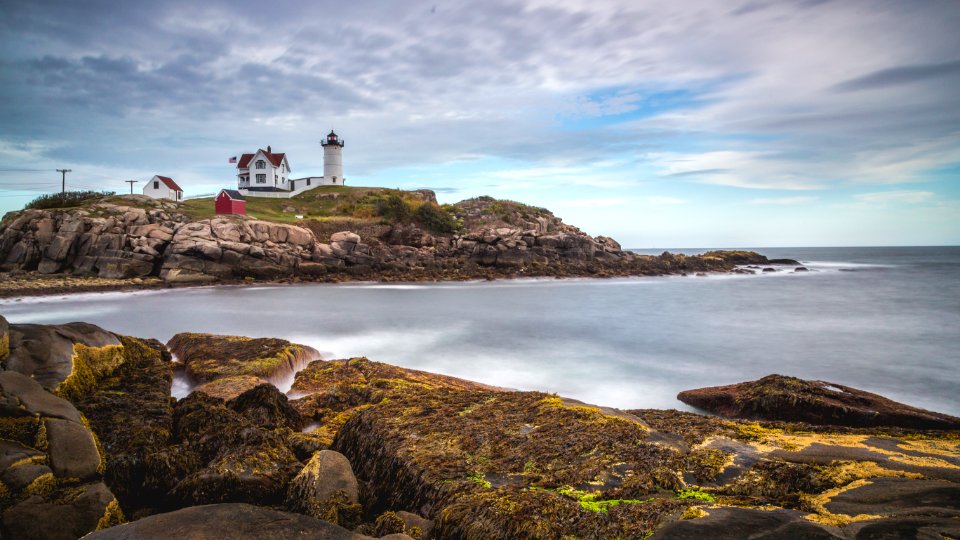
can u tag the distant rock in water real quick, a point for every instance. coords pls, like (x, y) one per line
(777, 397)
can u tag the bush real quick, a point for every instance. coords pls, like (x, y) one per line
(394, 209)
(435, 218)
(66, 199)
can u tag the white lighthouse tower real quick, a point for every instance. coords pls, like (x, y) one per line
(332, 159)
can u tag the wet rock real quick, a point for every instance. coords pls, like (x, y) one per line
(73, 514)
(227, 458)
(336, 389)
(892, 495)
(411, 520)
(73, 452)
(46, 352)
(132, 415)
(49, 466)
(227, 388)
(220, 521)
(462, 455)
(267, 407)
(800, 269)
(4, 338)
(208, 357)
(739, 523)
(22, 396)
(326, 488)
(777, 397)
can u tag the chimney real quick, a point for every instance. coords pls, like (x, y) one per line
(268, 149)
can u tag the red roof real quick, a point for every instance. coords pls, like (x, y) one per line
(274, 158)
(169, 183)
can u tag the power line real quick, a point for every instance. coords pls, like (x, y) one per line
(24, 170)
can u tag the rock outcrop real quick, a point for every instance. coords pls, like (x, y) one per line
(326, 488)
(336, 389)
(222, 521)
(776, 397)
(50, 466)
(229, 365)
(68, 354)
(133, 237)
(223, 248)
(417, 455)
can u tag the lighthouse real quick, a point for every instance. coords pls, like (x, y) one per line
(332, 159)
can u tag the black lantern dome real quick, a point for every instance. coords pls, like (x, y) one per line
(332, 139)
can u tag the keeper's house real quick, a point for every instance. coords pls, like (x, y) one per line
(265, 173)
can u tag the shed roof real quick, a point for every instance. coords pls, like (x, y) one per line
(232, 193)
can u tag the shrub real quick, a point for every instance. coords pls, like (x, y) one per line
(435, 218)
(66, 199)
(393, 208)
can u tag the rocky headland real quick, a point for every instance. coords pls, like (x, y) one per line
(92, 442)
(137, 242)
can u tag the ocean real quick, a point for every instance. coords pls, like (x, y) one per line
(886, 320)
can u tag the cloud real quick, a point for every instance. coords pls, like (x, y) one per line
(560, 94)
(660, 200)
(901, 197)
(600, 202)
(783, 201)
(900, 75)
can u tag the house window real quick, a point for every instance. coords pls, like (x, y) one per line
(261, 164)
(156, 185)
(261, 179)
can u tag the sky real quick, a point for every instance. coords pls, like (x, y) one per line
(699, 123)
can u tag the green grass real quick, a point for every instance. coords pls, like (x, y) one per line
(361, 203)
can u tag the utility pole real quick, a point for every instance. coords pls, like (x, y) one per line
(131, 182)
(63, 179)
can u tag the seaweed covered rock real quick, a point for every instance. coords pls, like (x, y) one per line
(132, 413)
(4, 338)
(222, 521)
(229, 458)
(777, 397)
(266, 407)
(50, 466)
(337, 388)
(227, 388)
(71, 354)
(208, 357)
(326, 488)
(511, 464)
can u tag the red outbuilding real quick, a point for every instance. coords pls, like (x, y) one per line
(230, 201)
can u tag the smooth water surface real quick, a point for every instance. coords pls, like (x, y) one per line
(885, 320)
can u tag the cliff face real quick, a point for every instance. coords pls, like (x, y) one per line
(155, 238)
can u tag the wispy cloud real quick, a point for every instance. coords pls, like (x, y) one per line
(599, 202)
(661, 200)
(783, 201)
(907, 197)
(901, 75)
